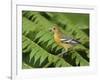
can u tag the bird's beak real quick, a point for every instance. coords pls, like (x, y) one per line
(50, 29)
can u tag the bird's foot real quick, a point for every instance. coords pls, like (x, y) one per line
(62, 54)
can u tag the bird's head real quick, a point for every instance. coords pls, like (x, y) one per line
(55, 29)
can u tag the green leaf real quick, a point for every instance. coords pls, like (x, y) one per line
(38, 53)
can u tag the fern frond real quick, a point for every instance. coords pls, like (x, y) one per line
(38, 53)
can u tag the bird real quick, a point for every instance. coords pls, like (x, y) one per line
(62, 40)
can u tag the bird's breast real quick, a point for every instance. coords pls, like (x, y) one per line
(57, 38)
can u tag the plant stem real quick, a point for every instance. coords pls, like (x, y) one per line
(59, 55)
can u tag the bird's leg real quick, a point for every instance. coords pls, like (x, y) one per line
(61, 54)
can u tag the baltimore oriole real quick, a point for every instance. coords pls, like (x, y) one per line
(63, 41)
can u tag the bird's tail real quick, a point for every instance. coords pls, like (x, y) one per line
(78, 41)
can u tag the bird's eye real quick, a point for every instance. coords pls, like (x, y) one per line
(54, 28)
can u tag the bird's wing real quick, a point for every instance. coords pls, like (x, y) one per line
(68, 40)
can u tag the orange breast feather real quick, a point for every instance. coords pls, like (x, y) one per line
(58, 41)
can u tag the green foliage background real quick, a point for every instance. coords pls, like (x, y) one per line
(38, 47)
